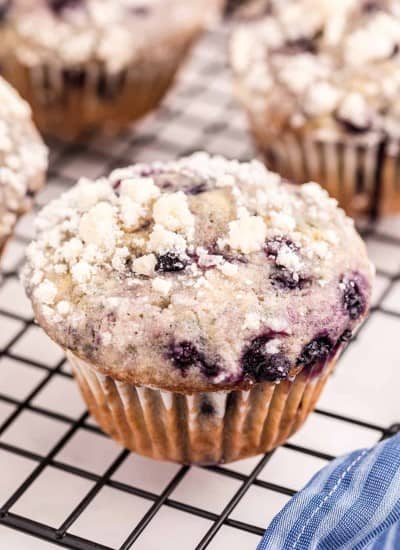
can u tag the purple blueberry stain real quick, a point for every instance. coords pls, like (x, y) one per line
(372, 6)
(353, 297)
(273, 246)
(283, 279)
(141, 11)
(5, 6)
(75, 78)
(166, 184)
(206, 407)
(300, 45)
(260, 365)
(353, 128)
(316, 352)
(346, 336)
(185, 355)
(170, 263)
(214, 250)
(58, 6)
(197, 189)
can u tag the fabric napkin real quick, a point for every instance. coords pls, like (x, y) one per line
(352, 503)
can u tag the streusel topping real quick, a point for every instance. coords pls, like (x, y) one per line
(335, 63)
(170, 273)
(112, 32)
(23, 158)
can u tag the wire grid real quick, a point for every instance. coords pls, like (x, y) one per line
(199, 114)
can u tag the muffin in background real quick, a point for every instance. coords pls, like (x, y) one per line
(96, 65)
(202, 303)
(320, 82)
(23, 160)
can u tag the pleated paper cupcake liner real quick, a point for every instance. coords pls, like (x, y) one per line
(202, 428)
(74, 102)
(363, 177)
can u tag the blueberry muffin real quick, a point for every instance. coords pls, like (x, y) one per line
(320, 81)
(202, 303)
(87, 65)
(23, 160)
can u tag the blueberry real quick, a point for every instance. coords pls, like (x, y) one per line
(283, 279)
(184, 355)
(262, 366)
(141, 10)
(371, 6)
(170, 262)
(75, 78)
(346, 336)
(166, 184)
(353, 299)
(197, 189)
(58, 6)
(214, 250)
(273, 246)
(315, 352)
(206, 407)
(5, 5)
(103, 88)
(210, 370)
(300, 45)
(232, 5)
(353, 128)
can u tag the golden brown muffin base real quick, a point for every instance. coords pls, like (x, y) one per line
(202, 428)
(69, 112)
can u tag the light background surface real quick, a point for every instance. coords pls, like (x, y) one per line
(63, 480)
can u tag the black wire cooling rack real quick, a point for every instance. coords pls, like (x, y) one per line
(63, 482)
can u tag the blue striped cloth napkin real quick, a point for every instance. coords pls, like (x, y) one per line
(352, 503)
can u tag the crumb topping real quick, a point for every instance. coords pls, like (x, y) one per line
(23, 158)
(336, 63)
(248, 253)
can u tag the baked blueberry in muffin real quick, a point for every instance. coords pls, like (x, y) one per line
(240, 296)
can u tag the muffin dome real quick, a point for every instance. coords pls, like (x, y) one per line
(198, 275)
(23, 159)
(332, 65)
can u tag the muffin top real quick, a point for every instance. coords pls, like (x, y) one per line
(113, 33)
(198, 274)
(23, 158)
(334, 65)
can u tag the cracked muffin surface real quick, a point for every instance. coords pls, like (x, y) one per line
(201, 274)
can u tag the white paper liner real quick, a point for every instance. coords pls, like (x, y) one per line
(202, 428)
